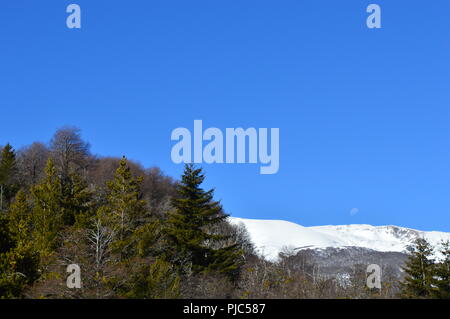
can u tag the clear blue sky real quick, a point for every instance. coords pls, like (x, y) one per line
(363, 114)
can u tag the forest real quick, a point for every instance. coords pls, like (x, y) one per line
(138, 233)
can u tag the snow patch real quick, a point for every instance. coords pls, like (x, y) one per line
(274, 236)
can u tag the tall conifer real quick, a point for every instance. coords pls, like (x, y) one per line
(7, 174)
(419, 268)
(124, 211)
(189, 227)
(19, 261)
(20, 217)
(47, 212)
(442, 274)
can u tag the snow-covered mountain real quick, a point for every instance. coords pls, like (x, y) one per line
(271, 237)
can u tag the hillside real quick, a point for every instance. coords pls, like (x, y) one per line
(274, 236)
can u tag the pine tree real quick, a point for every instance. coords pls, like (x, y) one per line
(419, 267)
(47, 212)
(125, 223)
(19, 268)
(76, 201)
(442, 274)
(20, 217)
(6, 239)
(58, 204)
(7, 174)
(188, 228)
(19, 262)
(124, 211)
(156, 280)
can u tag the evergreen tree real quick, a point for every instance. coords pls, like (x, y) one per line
(47, 212)
(18, 269)
(20, 218)
(156, 280)
(442, 274)
(76, 201)
(130, 231)
(188, 228)
(19, 261)
(6, 239)
(58, 204)
(7, 173)
(124, 211)
(418, 268)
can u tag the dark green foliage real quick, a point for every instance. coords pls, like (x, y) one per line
(157, 280)
(18, 268)
(19, 261)
(20, 218)
(148, 239)
(7, 164)
(442, 274)
(124, 211)
(58, 204)
(76, 201)
(6, 238)
(195, 213)
(135, 233)
(419, 272)
(47, 212)
(8, 170)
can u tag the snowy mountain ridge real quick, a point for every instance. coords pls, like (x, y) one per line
(271, 237)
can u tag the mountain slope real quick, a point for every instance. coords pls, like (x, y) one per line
(274, 236)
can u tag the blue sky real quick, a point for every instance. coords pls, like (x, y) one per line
(363, 114)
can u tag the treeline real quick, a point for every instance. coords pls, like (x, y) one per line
(136, 233)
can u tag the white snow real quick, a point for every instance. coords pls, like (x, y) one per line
(271, 237)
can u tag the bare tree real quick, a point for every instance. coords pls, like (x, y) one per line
(100, 237)
(69, 150)
(31, 161)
